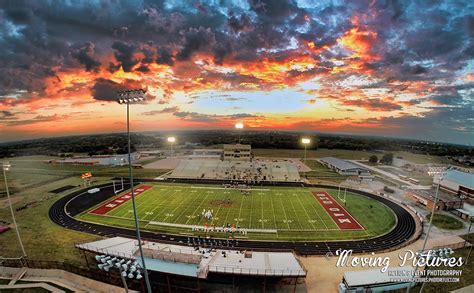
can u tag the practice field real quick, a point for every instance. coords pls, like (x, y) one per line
(269, 213)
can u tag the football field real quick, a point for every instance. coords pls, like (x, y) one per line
(267, 212)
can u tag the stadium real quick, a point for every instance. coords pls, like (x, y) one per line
(307, 218)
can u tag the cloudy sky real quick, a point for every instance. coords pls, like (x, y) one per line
(391, 68)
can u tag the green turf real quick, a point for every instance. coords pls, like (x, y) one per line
(447, 222)
(293, 212)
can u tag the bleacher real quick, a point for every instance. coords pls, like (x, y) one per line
(255, 171)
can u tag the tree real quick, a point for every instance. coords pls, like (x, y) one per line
(373, 159)
(387, 159)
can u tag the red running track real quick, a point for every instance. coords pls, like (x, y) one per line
(341, 217)
(112, 204)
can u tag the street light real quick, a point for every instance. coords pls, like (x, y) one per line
(130, 97)
(6, 167)
(305, 142)
(171, 140)
(239, 126)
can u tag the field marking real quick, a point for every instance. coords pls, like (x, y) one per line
(329, 203)
(306, 212)
(296, 214)
(193, 226)
(273, 212)
(170, 193)
(284, 211)
(196, 198)
(183, 211)
(317, 212)
(120, 200)
(251, 206)
(159, 197)
(196, 210)
(240, 210)
(263, 219)
(204, 187)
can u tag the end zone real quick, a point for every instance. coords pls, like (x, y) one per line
(111, 204)
(340, 215)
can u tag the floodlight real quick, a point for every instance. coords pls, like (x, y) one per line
(99, 257)
(124, 267)
(6, 166)
(107, 268)
(306, 140)
(133, 268)
(101, 266)
(171, 139)
(130, 276)
(124, 273)
(239, 125)
(139, 276)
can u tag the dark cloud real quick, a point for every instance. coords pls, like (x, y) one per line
(373, 104)
(195, 40)
(165, 56)
(199, 117)
(85, 55)
(446, 99)
(106, 90)
(124, 53)
(166, 110)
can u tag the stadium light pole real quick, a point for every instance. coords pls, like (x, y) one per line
(239, 126)
(6, 167)
(429, 227)
(130, 97)
(305, 142)
(171, 140)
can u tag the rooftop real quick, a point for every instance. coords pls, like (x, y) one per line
(430, 195)
(463, 178)
(181, 260)
(372, 277)
(467, 209)
(341, 164)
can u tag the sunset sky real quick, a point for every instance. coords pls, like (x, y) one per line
(390, 68)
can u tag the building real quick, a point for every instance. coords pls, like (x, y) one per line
(115, 160)
(198, 261)
(237, 152)
(376, 280)
(466, 212)
(457, 182)
(446, 201)
(344, 167)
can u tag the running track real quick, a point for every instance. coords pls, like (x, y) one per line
(64, 209)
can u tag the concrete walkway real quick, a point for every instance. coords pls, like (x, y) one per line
(31, 286)
(324, 276)
(62, 278)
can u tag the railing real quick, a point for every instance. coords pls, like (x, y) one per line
(257, 272)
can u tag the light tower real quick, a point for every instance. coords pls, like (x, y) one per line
(171, 140)
(239, 126)
(305, 142)
(132, 97)
(6, 167)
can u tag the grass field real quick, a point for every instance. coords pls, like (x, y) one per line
(447, 222)
(293, 212)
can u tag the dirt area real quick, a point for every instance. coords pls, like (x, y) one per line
(14, 199)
